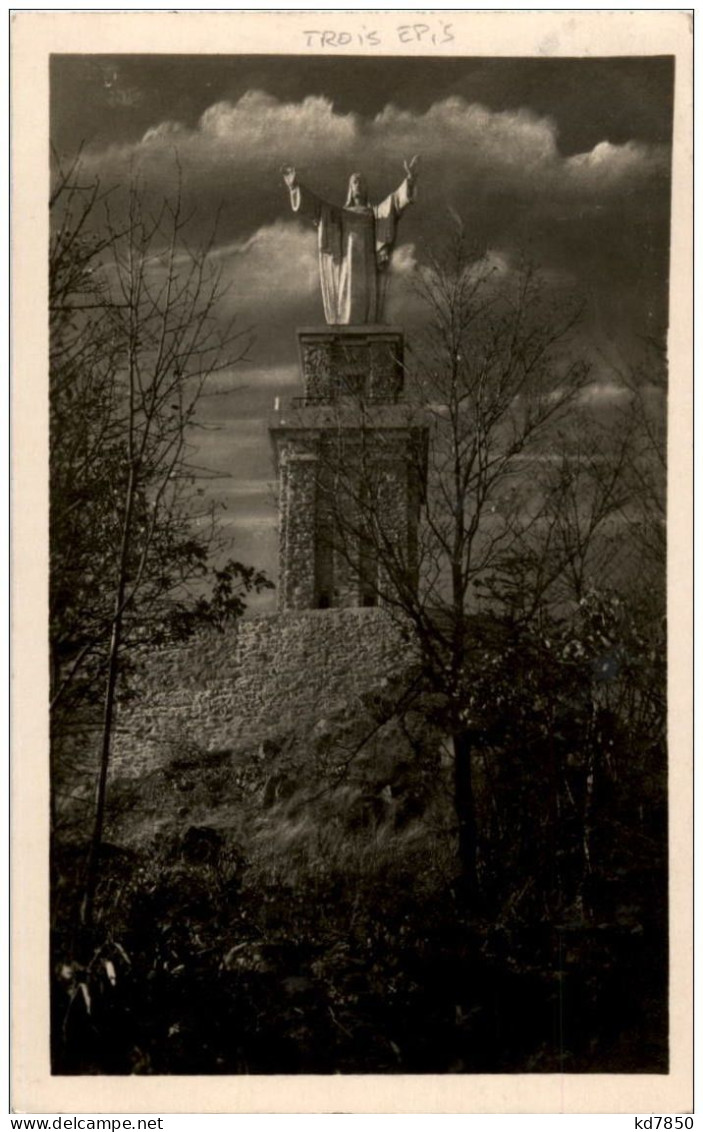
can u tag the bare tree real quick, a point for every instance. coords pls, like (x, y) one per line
(540, 520)
(647, 467)
(573, 529)
(137, 332)
(498, 373)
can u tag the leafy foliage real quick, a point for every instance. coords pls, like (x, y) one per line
(134, 338)
(136, 334)
(226, 603)
(303, 915)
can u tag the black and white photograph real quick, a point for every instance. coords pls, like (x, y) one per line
(357, 391)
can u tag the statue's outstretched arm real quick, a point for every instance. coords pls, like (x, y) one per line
(411, 168)
(302, 200)
(396, 202)
(289, 175)
(405, 194)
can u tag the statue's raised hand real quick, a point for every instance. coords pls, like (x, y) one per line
(411, 167)
(289, 177)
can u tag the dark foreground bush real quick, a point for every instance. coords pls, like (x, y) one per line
(202, 961)
(294, 908)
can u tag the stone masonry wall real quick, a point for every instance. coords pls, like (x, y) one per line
(255, 680)
(365, 361)
(326, 464)
(297, 503)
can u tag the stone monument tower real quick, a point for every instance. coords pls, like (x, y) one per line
(350, 455)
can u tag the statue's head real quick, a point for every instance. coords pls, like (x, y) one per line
(357, 193)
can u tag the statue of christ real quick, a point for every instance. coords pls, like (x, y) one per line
(355, 244)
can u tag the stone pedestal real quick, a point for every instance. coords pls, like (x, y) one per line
(351, 361)
(350, 459)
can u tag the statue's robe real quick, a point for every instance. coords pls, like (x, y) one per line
(355, 244)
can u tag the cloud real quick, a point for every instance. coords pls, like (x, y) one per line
(254, 521)
(469, 132)
(605, 392)
(465, 146)
(404, 260)
(273, 273)
(259, 121)
(598, 219)
(247, 488)
(274, 266)
(517, 147)
(274, 376)
(165, 131)
(608, 165)
(596, 222)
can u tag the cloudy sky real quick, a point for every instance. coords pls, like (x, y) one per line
(568, 160)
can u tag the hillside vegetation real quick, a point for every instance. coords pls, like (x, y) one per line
(294, 906)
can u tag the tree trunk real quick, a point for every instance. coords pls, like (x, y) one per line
(101, 792)
(465, 811)
(92, 868)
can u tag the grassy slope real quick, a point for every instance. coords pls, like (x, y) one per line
(290, 907)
